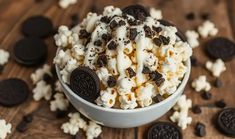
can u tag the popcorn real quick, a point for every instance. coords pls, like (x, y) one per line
(42, 90)
(58, 86)
(183, 50)
(169, 31)
(207, 29)
(78, 51)
(66, 3)
(181, 114)
(192, 38)
(125, 85)
(69, 67)
(103, 74)
(60, 103)
(216, 68)
(75, 122)
(111, 11)
(145, 94)
(90, 21)
(167, 87)
(5, 128)
(107, 98)
(65, 36)
(93, 130)
(128, 101)
(62, 57)
(112, 66)
(200, 84)
(39, 73)
(4, 56)
(151, 62)
(155, 13)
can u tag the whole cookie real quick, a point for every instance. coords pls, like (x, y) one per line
(220, 47)
(13, 92)
(164, 130)
(85, 83)
(226, 121)
(137, 11)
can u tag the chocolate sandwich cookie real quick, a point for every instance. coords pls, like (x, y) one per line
(164, 130)
(38, 26)
(179, 33)
(137, 11)
(226, 121)
(13, 92)
(85, 83)
(220, 47)
(30, 51)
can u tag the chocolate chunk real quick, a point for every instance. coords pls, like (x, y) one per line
(157, 77)
(102, 60)
(146, 70)
(28, 118)
(148, 31)
(13, 92)
(137, 11)
(196, 109)
(190, 16)
(133, 33)
(112, 45)
(165, 40)
(22, 126)
(111, 81)
(131, 72)
(194, 61)
(158, 98)
(157, 29)
(205, 16)
(105, 19)
(106, 37)
(1, 68)
(164, 130)
(206, 95)
(121, 23)
(38, 26)
(47, 78)
(83, 34)
(157, 41)
(200, 129)
(85, 83)
(113, 24)
(75, 20)
(61, 114)
(30, 51)
(220, 103)
(98, 43)
(220, 47)
(226, 122)
(218, 83)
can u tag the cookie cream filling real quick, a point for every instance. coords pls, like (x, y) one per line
(137, 59)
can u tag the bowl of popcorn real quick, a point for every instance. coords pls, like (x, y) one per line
(123, 68)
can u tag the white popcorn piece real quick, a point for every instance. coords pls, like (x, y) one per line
(151, 62)
(125, 85)
(144, 94)
(60, 103)
(42, 90)
(5, 128)
(4, 56)
(38, 74)
(103, 75)
(183, 50)
(69, 67)
(74, 124)
(62, 57)
(93, 130)
(58, 86)
(192, 38)
(65, 37)
(128, 101)
(207, 29)
(107, 98)
(66, 3)
(155, 13)
(181, 114)
(201, 84)
(216, 68)
(169, 31)
(111, 11)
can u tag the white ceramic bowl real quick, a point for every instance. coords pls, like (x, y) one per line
(119, 118)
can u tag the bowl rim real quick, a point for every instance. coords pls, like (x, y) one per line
(180, 89)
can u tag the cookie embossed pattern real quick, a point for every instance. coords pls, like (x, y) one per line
(130, 58)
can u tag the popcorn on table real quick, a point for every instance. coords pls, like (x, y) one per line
(58, 86)
(181, 112)
(42, 90)
(5, 128)
(4, 56)
(65, 3)
(168, 58)
(207, 29)
(60, 102)
(39, 73)
(192, 38)
(216, 68)
(155, 13)
(93, 130)
(201, 84)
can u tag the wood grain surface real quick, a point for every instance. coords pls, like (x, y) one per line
(45, 124)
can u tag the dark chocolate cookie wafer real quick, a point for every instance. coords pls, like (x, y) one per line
(85, 83)
(137, 11)
(164, 130)
(220, 47)
(179, 33)
(13, 92)
(38, 26)
(226, 121)
(30, 51)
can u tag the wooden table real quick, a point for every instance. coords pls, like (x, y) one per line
(46, 126)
